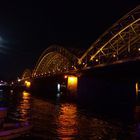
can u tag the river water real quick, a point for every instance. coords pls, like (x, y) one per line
(61, 120)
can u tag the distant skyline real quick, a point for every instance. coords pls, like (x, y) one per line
(27, 29)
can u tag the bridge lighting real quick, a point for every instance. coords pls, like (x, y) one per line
(25, 94)
(27, 84)
(58, 87)
(97, 60)
(65, 76)
(114, 55)
(72, 83)
(137, 90)
(18, 79)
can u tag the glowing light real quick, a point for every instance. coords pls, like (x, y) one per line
(72, 83)
(25, 94)
(71, 79)
(27, 84)
(137, 89)
(96, 60)
(58, 87)
(19, 80)
(114, 55)
(138, 49)
(65, 76)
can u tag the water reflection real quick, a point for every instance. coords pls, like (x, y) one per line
(67, 121)
(19, 106)
(24, 106)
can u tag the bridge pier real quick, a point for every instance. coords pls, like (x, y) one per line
(104, 88)
(50, 86)
(106, 91)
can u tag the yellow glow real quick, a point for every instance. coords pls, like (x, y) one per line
(65, 76)
(24, 106)
(27, 84)
(72, 83)
(25, 94)
(97, 60)
(137, 89)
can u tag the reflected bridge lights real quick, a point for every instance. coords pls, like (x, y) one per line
(137, 90)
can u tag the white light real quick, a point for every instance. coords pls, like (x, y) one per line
(96, 60)
(114, 55)
(58, 87)
(58, 95)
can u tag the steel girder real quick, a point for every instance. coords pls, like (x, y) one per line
(54, 59)
(121, 41)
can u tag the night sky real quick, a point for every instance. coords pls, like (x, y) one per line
(26, 29)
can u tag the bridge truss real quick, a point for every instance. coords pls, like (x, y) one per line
(26, 74)
(121, 41)
(55, 59)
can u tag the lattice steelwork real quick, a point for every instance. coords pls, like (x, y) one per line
(120, 42)
(26, 74)
(54, 59)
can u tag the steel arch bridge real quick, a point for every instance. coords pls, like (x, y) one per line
(121, 41)
(55, 59)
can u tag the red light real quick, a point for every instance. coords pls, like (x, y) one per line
(65, 76)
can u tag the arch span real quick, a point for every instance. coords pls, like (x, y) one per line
(118, 42)
(26, 74)
(55, 59)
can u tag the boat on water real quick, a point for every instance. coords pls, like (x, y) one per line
(12, 130)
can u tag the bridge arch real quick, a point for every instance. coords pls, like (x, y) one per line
(118, 42)
(55, 59)
(26, 74)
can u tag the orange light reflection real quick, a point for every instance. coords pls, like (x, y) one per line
(24, 106)
(67, 121)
